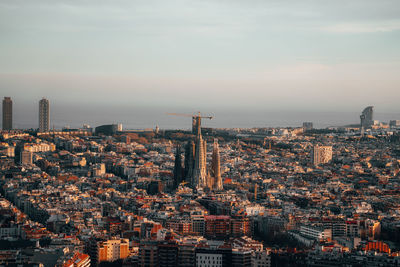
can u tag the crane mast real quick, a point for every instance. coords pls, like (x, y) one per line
(196, 120)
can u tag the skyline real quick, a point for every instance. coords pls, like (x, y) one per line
(140, 118)
(311, 56)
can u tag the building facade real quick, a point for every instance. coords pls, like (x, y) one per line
(114, 249)
(321, 154)
(26, 157)
(208, 260)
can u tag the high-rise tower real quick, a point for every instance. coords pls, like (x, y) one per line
(367, 117)
(7, 113)
(216, 168)
(44, 115)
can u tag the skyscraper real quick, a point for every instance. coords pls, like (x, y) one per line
(321, 154)
(44, 115)
(7, 113)
(216, 168)
(366, 117)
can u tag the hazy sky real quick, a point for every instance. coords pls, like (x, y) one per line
(209, 55)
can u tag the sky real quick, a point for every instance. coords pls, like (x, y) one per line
(247, 62)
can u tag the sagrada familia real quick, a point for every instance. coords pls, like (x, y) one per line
(195, 170)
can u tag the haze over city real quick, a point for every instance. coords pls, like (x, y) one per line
(249, 63)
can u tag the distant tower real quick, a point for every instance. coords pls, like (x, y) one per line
(321, 154)
(307, 126)
(44, 115)
(7, 113)
(178, 170)
(367, 117)
(199, 178)
(215, 167)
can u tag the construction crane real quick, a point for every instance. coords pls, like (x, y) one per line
(183, 183)
(196, 120)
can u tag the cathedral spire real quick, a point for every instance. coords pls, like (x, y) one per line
(199, 179)
(178, 171)
(215, 167)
